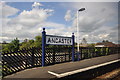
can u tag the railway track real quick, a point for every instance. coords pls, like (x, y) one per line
(113, 75)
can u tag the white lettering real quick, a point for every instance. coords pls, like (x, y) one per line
(58, 40)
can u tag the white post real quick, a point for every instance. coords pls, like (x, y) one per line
(78, 32)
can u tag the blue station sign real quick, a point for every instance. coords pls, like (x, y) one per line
(58, 40)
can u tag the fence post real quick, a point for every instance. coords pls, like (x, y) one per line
(33, 57)
(53, 56)
(43, 46)
(81, 53)
(73, 43)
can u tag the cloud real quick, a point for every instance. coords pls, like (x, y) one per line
(55, 28)
(103, 36)
(37, 4)
(68, 15)
(97, 21)
(31, 18)
(7, 10)
(103, 33)
(25, 24)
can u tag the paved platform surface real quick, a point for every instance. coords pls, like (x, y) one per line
(42, 72)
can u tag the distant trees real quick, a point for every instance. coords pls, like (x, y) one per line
(26, 40)
(32, 43)
(27, 44)
(13, 45)
(91, 45)
(4, 42)
(84, 41)
(38, 41)
(105, 41)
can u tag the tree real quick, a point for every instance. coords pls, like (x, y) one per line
(32, 43)
(84, 41)
(13, 45)
(103, 41)
(38, 41)
(26, 40)
(24, 45)
(91, 45)
(107, 41)
(4, 42)
(29, 43)
(5, 48)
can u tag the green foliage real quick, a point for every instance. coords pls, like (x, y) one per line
(38, 41)
(105, 41)
(13, 45)
(24, 45)
(91, 45)
(28, 44)
(4, 42)
(38, 38)
(32, 43)
(5, 48)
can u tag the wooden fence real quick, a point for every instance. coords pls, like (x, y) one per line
(27, 58)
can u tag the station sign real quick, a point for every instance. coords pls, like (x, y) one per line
(58, 40)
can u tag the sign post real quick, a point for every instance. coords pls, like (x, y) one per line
(43, 46)
(56, 40)
(73, 49)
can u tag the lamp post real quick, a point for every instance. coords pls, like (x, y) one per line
(82, 9)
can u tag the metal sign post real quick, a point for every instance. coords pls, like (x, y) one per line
(73, 48)
(56, 40)
(43, 46)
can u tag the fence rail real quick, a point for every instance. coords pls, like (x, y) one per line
(27, 58)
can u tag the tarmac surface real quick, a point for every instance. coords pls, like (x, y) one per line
(42, 72)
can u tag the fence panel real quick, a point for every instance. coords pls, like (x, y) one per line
(32, 57)
(20, 60)
(37, 57)
(89, 52)
(58, 54)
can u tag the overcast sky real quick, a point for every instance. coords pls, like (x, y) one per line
(26, 19)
